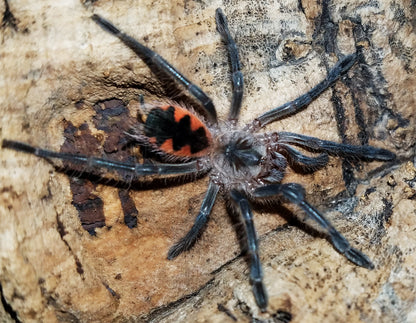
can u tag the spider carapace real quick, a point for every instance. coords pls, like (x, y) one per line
(242, 163)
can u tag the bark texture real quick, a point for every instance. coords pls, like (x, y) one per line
(77, 250)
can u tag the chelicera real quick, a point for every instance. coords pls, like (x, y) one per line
(242, 163)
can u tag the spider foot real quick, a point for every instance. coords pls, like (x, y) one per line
(190, 238)
(354, 255)
(260, 295)
(179, 247)
(105, 24)
(18, 146)
(358, 258)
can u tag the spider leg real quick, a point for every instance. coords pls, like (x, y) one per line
(256, 272)
(295, 194)
(342, 66)
(333, 148)
(298, 160)
(159, 65)
(237, 76)
(141, 101)
(190, 238)
(93, 162)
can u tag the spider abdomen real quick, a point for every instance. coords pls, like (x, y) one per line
(176, 131)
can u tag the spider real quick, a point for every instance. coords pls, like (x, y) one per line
(242, 163)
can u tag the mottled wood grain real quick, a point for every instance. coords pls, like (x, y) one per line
(58, 68)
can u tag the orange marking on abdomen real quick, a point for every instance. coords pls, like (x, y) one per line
(195, 124)
(185, 151)
(181, 112)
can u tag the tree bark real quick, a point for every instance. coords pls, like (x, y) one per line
(77, 250)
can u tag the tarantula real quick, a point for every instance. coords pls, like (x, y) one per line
(242, 164)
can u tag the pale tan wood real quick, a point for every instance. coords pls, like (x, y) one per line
(53, 270)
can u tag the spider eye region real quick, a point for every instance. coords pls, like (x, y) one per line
(240, 154)
(176, 131)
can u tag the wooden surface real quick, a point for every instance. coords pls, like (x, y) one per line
(57, 65)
